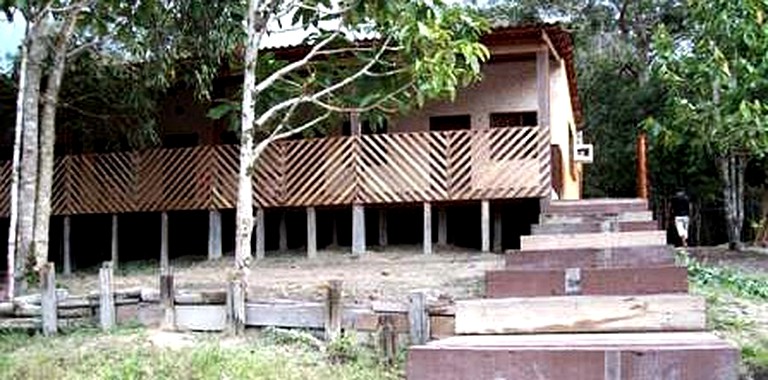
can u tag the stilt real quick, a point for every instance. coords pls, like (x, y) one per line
(334, 231)
(311, 233)
(442, 227)
(114, 242)
(383, 235)
(260, 236)
(214, 235)
(358, 229)
(427, 245)
(485, 226)
(497, 231)
(67, 259)
(164, 262)
(283, 233)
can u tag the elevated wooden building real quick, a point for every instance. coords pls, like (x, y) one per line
(479, 168)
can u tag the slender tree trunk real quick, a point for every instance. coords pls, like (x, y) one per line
(14, 205)
(29, 153)
(48, 140)
(244, 191)
(732, 170)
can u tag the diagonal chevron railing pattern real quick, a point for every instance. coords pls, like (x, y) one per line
(383, 168)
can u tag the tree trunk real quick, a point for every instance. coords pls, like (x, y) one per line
(244, 191)
(48, 139)
(14, 205)
(29, 152)
(732, 168)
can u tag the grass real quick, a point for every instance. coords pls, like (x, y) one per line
(132, 354)
(737, 309)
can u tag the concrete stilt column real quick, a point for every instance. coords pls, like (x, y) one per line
(485, 226)
(497, 231)
(334, 231)
(164, 261)
(283, 233)
(427, 245)
(114, 242)
(214, 235)
(358, 229)
(311, 233)
(67, 265)
(442, 227)
(383, 235)
(260, 236)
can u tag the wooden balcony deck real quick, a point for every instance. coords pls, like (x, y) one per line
(368, 169)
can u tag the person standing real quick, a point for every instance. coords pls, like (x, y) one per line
(681, 210)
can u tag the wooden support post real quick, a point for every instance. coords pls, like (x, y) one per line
(115, 239)
(164, 261)
(67, 259)
(214, 235)
(167, 294)
(497, 231)
(442, 227)
(427, 233)
(311, 233)
(418, 318)
(383, 234)
(334, 232)
(48, 299)
(387, 339)
(236, 306)
(642, 166)
(485, 226)
(358, 229)
(106, 297)
(260, 235)
(283, 233)
(333, 312)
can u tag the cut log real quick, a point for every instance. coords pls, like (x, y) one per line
(627, 356)
(599, 240)
(612, 281)
(591, 258)
(581, 314)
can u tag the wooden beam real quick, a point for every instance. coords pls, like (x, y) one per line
(67, 259)
(260, 236)
(548, 42)
(283, 232)
(164, 260)
(106, 298)
(311, 233)
(48, 299)
(542, 88)
(485, 226)
(418, 318)
(333, 311)
(383, 234)
(581, 314)
(358, 229)
(497, 230)
(214, 235)
(442, 227)
(115, 258)
(427, 233)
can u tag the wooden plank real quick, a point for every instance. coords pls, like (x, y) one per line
(418, 318)
(595, 240)
(67, 259)
(201, 317)
(311, 233)
(581, 314)
(358, 229)
(427, 232)
(299, 315)
(48, 300)
(260, 234)
(214, 235)
(333, 311)
(106, 299)
(164, 261)
(167, 294)
(115, 240)
(485, 226)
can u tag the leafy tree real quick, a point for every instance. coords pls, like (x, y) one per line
(716, 74)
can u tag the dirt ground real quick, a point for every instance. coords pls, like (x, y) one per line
(377, 276)
(753, 260)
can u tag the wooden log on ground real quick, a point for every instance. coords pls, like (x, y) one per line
(625, 356)
(591, 258)
(598, 240)
(581, 314)
(611, 281)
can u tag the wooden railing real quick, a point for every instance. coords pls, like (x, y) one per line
(385, 168)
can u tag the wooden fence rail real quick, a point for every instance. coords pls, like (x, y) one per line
(385, 168)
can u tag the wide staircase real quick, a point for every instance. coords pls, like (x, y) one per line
(593, 294)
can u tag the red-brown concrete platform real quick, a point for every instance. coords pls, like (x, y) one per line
(637, 356)
(591, 281)
(591, 258)
(604, 206)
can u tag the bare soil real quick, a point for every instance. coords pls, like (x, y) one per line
(377, 276)
(753, 260)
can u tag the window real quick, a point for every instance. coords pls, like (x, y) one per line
(450, 123)
(514, 119)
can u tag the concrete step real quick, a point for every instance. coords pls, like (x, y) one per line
(603, 206)
(624, 356)
(591, 257)
(629, 216)
(593, 240)
(575, 281)
(593, 227)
